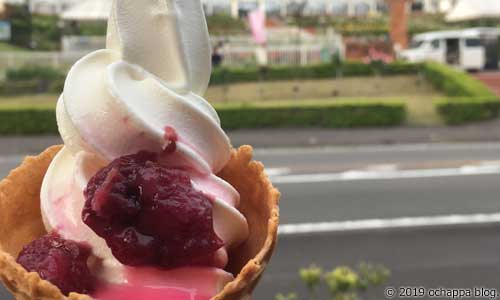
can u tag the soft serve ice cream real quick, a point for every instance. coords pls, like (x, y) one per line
(143, 95)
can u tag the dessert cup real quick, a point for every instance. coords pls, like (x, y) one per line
(21, 223)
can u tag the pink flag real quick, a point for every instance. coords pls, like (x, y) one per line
(257, 20)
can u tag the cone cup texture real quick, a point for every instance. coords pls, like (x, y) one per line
(21, 223)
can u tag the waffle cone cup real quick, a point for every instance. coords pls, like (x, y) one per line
(21, 223)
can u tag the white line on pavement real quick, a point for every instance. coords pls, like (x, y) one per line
(409, 222)
(482, 169)
(278, 171)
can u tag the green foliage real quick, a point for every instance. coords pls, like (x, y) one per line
(454, 83)
(325, 115)
(9, 88)
(376, 25)
(469, 99)
(311, 276)
(290, 114)
(20, 19)
(36, 32)
(56, 86)
(289, 296)
(456, 111)
(92, 28)
(323, 71)
(372, 275)
(46, 33)
(32, 80)
(341, 280)
(343, 283)
(27, 121)
(34, 73)
(224, 23)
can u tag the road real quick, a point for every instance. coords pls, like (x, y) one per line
(431, 213)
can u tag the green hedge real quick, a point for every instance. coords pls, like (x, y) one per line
(27, 120)
(454, 83)
(12, 88)
(324, 71)
(29, 87)
(34, 73)
(326, 115)
(456, 111)
(469, 99)
(32, 80)
(41, 79)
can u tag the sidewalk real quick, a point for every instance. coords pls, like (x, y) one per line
(481, 132)
(267, 138)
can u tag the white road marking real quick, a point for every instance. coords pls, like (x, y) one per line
(277, 171)
(385, 167)
(385, 174)
(374, 224)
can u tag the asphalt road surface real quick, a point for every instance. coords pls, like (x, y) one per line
(431, 213)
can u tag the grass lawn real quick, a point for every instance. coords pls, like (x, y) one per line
(421, 111)
(357, 87)
(41, 100)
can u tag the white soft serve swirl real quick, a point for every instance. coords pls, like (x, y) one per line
(118, 101)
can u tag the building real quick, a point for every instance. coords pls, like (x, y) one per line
(240, 7)
(51, 7)
(433, 6)
(45, 7)
(312, 7)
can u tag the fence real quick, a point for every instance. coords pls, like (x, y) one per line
(233, 56)
(63, 60)
(277, 55)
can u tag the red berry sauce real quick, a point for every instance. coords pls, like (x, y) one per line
(151, 215)
(60, 261)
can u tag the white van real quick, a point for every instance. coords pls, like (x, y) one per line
(468, 49)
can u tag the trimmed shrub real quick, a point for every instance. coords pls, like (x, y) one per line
(19, 121)
(454, 83)
(12, 88)
(56, 86)
(323, 71)
(346, 114)
(458, 111)
(326, 115)
(34, 73)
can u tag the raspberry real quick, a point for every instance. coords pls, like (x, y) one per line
(62, 262)
(150, 215)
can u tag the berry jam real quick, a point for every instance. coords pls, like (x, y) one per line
(62, 262)
(150, 215)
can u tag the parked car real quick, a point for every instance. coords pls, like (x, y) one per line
(468, 49)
